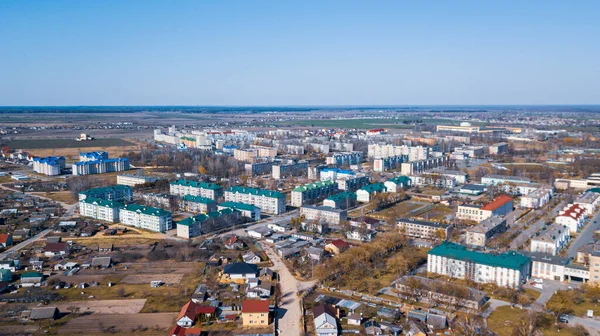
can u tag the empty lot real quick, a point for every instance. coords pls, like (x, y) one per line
(104, 306)
(172, 278)
(119, 324)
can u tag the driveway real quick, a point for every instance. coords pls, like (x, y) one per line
(289, 311)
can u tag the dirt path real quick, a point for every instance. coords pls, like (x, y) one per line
(289, 314)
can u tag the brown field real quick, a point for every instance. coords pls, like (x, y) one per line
(438, 213)
(18, 329)
(157, 324)
(104, 306)
(59, 196)
(173, 278)
(79, 278)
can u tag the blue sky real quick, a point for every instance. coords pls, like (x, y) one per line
(144, 52)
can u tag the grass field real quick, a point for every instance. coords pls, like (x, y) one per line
(502, 320)
(60, 196)
(66, 143)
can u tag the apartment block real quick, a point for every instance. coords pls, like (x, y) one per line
(332, 174)
(313, 192)
(209, 222)
(551, 239)
(100, 209)
(50, 165)
(589, 201)
(117, 193)
(480, 234)
(324, 214)
(139, 216)
(538, 198)
(418, 167)
(411, 153)
(572, 216)
(388, 163)
(195, 188)
(366, 193)
(93, 156)
(498, 148)
(501, 179)
(456, 261)
(270, 202)
(190, 203)
(100, 166)
(280, 171)
(345, 158)
(133, 180)
(420, 229)
(343, 200)
(259, 168)
(246, 210)
(397, 183)
(433, 180)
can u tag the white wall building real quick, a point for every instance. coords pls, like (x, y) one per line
(100, 209)
(270, 202)
(148, 218)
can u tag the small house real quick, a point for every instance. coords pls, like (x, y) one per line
(44, 313)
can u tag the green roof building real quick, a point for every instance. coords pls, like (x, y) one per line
(118, 193)
(209, 222)
(247, 210)
(269, 201)
(196, 188)
(343, 200)
(145, 217)
(313, 192)
(366, 193)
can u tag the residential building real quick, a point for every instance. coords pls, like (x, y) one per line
(190, 203)
(519, 189)
(280, 171)
(337, 246)
(343, 200)
(565, 184)
(538, 198)
(506, 270)
(396, 184)
(246, 210)
(205, 223)
(388, 163)
(51, 165)
(498, 148)
(100, 209)
(313, 192)
(164, 201)
(420, 229)
(117, 193)
(332, 174)
(153, 219)
(195, 188)
(259, 168)
(325, 321)
(270, 202)
(500, 206)
(470, 151)
(100, 166)
(457, 175)
(5, 275)
(594, 261)
(246, 155)
(420, 166)
(255, 313)
(133, 180)
(411, 153)
(366, 193)
(345, 158)
(352, 183)
(434, 180)
(501, 179)
(435, 291)
(481, 233)
(589, 201)
(31, 279)
(6, 240)
(464, 127)
(360, 235)
(93, 156)
(547, 266)
(572, 216)
(240, 272)
(324, 213)
(472, 189)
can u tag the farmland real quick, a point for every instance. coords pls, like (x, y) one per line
(153, 324)
(66, 143)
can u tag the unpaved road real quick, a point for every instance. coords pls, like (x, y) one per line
(289, 312)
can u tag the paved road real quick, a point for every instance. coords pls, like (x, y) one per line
(550, 287)
(590, 324)
(585, 236)
(289, 312)
(285, 218)
(535, 227)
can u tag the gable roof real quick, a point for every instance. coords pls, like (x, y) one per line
(497, 203)
(240, 268)
(257, 192)
(188, 310)
(56, 247)
(4, 237)
(340, 244)
(511, 260)
(255, 306)
(324, 314)
(146, 210)
(197, 184)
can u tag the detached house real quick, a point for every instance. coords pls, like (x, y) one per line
(6, 240)
(337, 246)
(255, 313)
(325, 320)
(240, 272)
(53, 249)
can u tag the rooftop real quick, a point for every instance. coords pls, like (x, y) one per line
(239, 206)
(497, 203)
(316, 185)
(255, 306)
(421, 222)
(375, 187)
(102, 202)
(256, 191)
(511, 260)
(146, 210)
(197, 199)
(197, 184)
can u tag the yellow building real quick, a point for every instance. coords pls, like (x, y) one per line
(255, 313)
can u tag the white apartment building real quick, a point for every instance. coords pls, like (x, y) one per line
(366, 193)
(456, 261)
(117, 193)
(572, 216)
(480, 234)
(133, 180)
(345, 158)
(148, 218)
(245, 154)
(195, 188)
(434, 180)
(333, 174)
(564, 184)
(589, 201)
(396, 184)
(413, 153)
(280, 171)
(270, 202)
(388, 163)
(418, 167)
(100, 209)
(500, 206)
(352, 183)
(538, 198)
(324, 214)
(100, 166)
(419, 229)
(51, 165)
(551, 239)
(313, 192)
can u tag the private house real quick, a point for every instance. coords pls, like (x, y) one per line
(325, 320)
(239, 272)
(44, 313)
(6, 240)
(5, 275)
(337, 246)
(251, 258)
(52, 249)
(12, 265)
(31, 279)
(187, 315)
(255, 313)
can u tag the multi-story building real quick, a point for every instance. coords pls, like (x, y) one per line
(411, 153)
(419, 229)
(397, 183)
(262, 151)
(259, 168)
(343, 200)
(195, 188)
(551, 239)
(270, 202)
(481, 233)
(139, 216)
(538, 198)
(551, 267)
(470, 151)
(520, 189)
(332, 174)
(117, 193)
(190, 203)
(51, 165)
(572, 216)
(313, 192)
(133, 180)
(388, 163)
(457, 175)
(593, 180)
(464, 127)
(589, 201)
(209, 222)
(157, 200)
(100, 209)
(345, 158)
(418, 167)
(434, 180)
(500, 206)
(255, 313)
(100, 166)
(506, 270)
(324, 214)
(501, 179)
(352, 183)
(565, 184)
(246, 155)
(498, 148)
(92, 156)
(290, 169)
(246, 210)
(366, 193)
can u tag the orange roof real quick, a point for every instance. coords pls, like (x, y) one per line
(4, 237)
(340, 244)
(193, 331)
(574, 211)
(497, 202)
(255, 306)
(189, 310)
